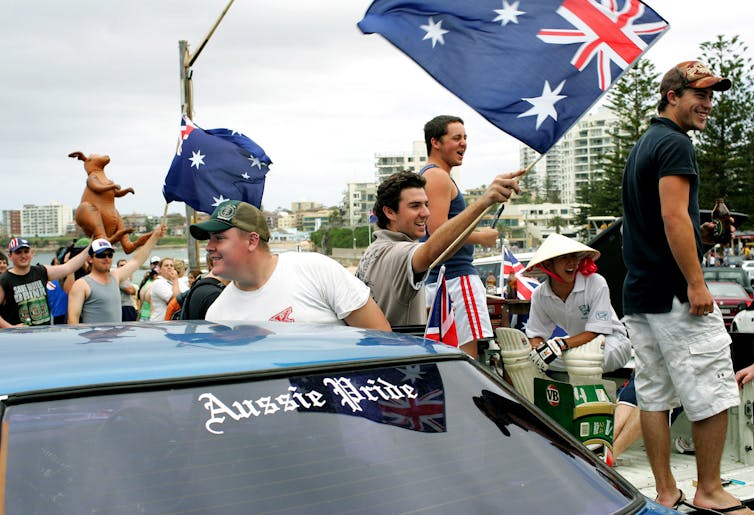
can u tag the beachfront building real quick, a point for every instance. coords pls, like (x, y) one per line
(387, 163)
(575, 160)
(42, 221)
(358, 200)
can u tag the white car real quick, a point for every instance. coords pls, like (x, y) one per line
(743, 322)
(749, 267)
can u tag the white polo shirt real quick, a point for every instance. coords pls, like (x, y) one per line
(587, 308)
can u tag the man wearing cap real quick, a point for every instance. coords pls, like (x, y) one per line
(396, 264)
(576, 299)
(95, 298)
(23, 292)
(288, 287)
(681, 347)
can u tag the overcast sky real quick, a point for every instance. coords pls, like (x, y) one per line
(297, 76)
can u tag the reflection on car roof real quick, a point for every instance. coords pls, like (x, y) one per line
(56, 357)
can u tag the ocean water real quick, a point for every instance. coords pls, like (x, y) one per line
(45, 257)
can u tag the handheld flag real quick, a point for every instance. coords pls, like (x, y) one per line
(441, 324)
(533, 69)
(525, 285)
(215, 165)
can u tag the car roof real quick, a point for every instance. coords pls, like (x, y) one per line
(85, 356)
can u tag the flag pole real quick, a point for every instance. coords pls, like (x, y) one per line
(186, 61)
(432, 305)
(452, 247)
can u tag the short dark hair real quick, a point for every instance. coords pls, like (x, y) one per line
(3, 257)
(437, 127)
(389, 193)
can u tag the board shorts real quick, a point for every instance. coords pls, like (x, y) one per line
(469, 297)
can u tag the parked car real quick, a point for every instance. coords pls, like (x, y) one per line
(748, 265)
(723, 273)
(743, 322)
(181, 417)
(730, 297)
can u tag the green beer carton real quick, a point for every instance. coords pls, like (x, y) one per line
(585, 411)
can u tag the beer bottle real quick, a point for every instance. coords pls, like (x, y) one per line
(721, 219)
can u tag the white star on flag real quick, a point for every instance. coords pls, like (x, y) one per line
(509, 13)
(197, 159)
(434, 31)
(255, 162)
(544, 105)
(245, 176)
(218, 200)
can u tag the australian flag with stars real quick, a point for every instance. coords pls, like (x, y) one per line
(531, 67)
(215, 165)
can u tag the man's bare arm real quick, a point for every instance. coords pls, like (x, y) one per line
(368, 316)
(498, 191)
(679, 229)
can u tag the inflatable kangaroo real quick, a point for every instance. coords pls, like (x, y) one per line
(96, 214)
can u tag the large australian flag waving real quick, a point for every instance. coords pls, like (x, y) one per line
(531, 67)
(215, 165)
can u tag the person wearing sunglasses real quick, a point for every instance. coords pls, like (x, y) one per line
(95, 298)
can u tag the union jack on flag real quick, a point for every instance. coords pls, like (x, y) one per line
(441, 325)
(525, 286)
(532, 67)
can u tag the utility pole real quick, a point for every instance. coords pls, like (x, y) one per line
(186, 61)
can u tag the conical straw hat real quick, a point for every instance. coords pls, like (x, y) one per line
(557, 245)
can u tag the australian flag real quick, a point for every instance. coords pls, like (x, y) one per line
(531, 68)
(215, 165)
(441, 325)
(423, 412)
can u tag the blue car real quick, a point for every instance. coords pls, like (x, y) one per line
(195, 417)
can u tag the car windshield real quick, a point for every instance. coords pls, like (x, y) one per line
(438, 438)
(731, 290)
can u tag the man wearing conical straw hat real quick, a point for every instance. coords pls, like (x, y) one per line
(576, 298)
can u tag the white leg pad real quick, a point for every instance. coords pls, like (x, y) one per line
(585, 362)
(522, 376)
(514, 349)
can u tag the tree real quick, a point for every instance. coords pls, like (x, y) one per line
(632, 99)
(724, 148)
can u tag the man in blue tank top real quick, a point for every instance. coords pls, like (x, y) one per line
(445, 137)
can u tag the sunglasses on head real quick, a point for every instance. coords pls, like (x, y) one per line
(105, 255)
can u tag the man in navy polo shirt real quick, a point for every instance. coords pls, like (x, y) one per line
(681, 347)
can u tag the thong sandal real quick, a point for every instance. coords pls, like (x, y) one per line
(681, 501)
(714, 511)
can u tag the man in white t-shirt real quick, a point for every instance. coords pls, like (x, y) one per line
(288, 287)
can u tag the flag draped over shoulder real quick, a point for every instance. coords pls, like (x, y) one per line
(525, 286)
(215, 165)
(441, 324)
(531, 67)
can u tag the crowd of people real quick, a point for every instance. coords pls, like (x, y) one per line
(671, 322)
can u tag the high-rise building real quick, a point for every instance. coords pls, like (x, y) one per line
(358, 200)
(11, 222)
(575, 159)
(49, 220)
(390, 162)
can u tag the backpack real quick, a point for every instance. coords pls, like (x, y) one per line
(181, 313)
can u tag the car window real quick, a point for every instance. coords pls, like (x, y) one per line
(719, 289)
(437, 438)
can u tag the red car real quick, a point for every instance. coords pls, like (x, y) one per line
(730, 297)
